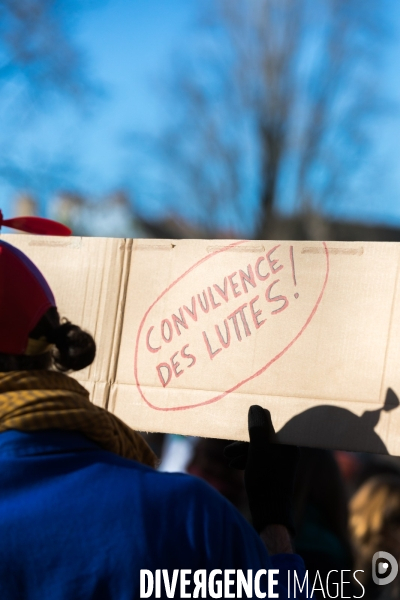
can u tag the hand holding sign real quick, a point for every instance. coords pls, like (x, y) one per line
(269, 471)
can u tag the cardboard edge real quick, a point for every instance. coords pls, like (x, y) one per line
(140, 417)
(382, 391)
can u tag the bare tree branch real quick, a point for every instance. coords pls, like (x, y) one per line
(294, 81)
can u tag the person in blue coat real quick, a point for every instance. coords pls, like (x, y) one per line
(83, 513)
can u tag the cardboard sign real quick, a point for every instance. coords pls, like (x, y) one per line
(191, 333)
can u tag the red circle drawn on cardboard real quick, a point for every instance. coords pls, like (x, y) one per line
(257, 373)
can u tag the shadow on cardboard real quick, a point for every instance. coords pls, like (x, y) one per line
(338, 428)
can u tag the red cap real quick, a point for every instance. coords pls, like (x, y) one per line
(25, 296)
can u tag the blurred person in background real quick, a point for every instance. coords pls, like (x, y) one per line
(375, 526)
(208, 463)
(372, 465)
(321, 514)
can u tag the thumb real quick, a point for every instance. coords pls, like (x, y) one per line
(261, 430)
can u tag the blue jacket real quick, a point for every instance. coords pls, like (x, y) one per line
(77, 522)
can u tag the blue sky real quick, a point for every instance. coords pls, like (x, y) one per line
(129, 47)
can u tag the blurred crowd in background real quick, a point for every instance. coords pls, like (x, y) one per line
(346, 506)
(263, 119)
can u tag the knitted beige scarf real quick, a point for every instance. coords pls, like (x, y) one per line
(33, 400)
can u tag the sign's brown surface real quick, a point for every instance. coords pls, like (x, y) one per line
(224, 322)
(191, 333)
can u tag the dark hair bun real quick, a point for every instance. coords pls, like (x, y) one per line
(75, 349)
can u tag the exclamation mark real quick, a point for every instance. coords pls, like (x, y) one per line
(293, 270)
